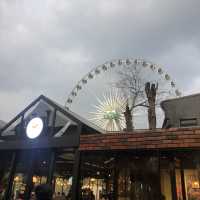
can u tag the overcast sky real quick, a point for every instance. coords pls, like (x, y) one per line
(47, 46)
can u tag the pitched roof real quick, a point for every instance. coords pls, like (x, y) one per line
(69, 114)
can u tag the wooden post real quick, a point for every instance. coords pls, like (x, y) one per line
(8, 191)
(51, 167)
(76, 175)
(29, 181)
(53, 122)
(173, 180)
(183, 182)
(115, 182)
(159, 171)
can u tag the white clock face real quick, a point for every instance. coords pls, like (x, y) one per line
(34, 128)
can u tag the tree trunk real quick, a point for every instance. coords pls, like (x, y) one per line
(152, 116)
(151, 90)
(128, 119)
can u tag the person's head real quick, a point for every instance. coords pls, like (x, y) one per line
(43, 192)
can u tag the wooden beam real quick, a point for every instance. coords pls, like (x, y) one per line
(51, 167)
(67, 141)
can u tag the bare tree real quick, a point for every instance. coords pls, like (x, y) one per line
(140, 91)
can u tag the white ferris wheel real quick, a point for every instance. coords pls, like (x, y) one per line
(102, 94)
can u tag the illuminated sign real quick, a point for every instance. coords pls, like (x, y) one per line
(34, 127)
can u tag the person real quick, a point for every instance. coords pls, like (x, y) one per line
(43, 192)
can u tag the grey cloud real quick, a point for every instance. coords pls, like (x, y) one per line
(47, 46)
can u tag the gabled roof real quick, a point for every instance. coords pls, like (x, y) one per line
(69, 114)
(74, 116)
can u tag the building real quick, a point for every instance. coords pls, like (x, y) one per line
(182, 112)
(46, 143)
(40, 145)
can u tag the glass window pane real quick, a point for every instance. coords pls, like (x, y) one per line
(62, 180)
(20, 176)
(11, 130)
(97, 176)
(41, 166)
(166, 184)
(138, 178)
(192, 184)
(165, 179)
(191, 166)
(5, 167)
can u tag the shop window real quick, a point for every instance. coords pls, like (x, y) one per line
(41, 167)
(191, 175)
(165, 184)
(38, 162)
(93, 187)
(62, 179)
(97, 176)
(138, 178)
(20, 177)
(124, 177)
(165, 177)
(11, 130)
(188, 122)
(124, 183)
(192, 184)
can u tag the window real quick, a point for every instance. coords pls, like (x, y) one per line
(62, 179)
(188, 122)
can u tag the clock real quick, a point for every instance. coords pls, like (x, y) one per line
(34, 127)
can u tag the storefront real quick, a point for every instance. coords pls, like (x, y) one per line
(46, 143)
(164, 164)
(40, 145)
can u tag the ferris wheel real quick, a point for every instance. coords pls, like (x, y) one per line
(102, 94)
